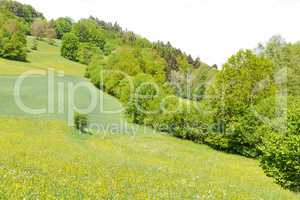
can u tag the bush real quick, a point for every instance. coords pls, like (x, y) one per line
(145, 99)
(13, 46)
(12, 40)
(281, 159)
(81, 122)
(70, 45)
(188, 122)
(34, 44)
(281, 150)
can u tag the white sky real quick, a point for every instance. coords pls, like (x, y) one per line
(210, 29)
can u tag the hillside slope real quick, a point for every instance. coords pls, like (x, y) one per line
(44, 159)
(56, 163)
(47, 56)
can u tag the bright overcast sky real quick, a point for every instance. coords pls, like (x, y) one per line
(210, 29)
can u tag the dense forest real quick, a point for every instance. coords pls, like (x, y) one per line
(250, 106)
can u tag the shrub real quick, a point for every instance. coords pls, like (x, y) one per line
(145, 99)
(81, 122)
(188, 122)
(281, 150)
(13, 46)
(281, 159)
(12, 40)
(34, 44)
(70, 45)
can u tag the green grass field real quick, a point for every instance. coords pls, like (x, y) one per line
(46, 160)
(47, 56)
(42, 158)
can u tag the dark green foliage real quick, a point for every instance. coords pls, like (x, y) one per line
(115, 28)
(70, 46)
(81, 122)
(175, 58)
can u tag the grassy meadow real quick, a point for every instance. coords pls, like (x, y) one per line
(58, 163)
(47, 56)
(42, 158)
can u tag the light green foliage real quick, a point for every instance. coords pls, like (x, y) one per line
(281, 148)
(126, 60)
(183, 119)
(12, 40)
(86, 51)
(123, 64)
(183, 64)
(238, 84)
(153, 64)
(62, 26)
(87, 31)
(281, 159)
(285, 55)
(70, 45)
(145, 99)
(244, 80)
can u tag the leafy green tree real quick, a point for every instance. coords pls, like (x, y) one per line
(12, 40)
(70, 45)
(244, 81)
(88, 32)
(183, 63)
(62, 26)
(285, 55)
(13, 46)
(86, 51)
(125, 60)
(145, 99)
